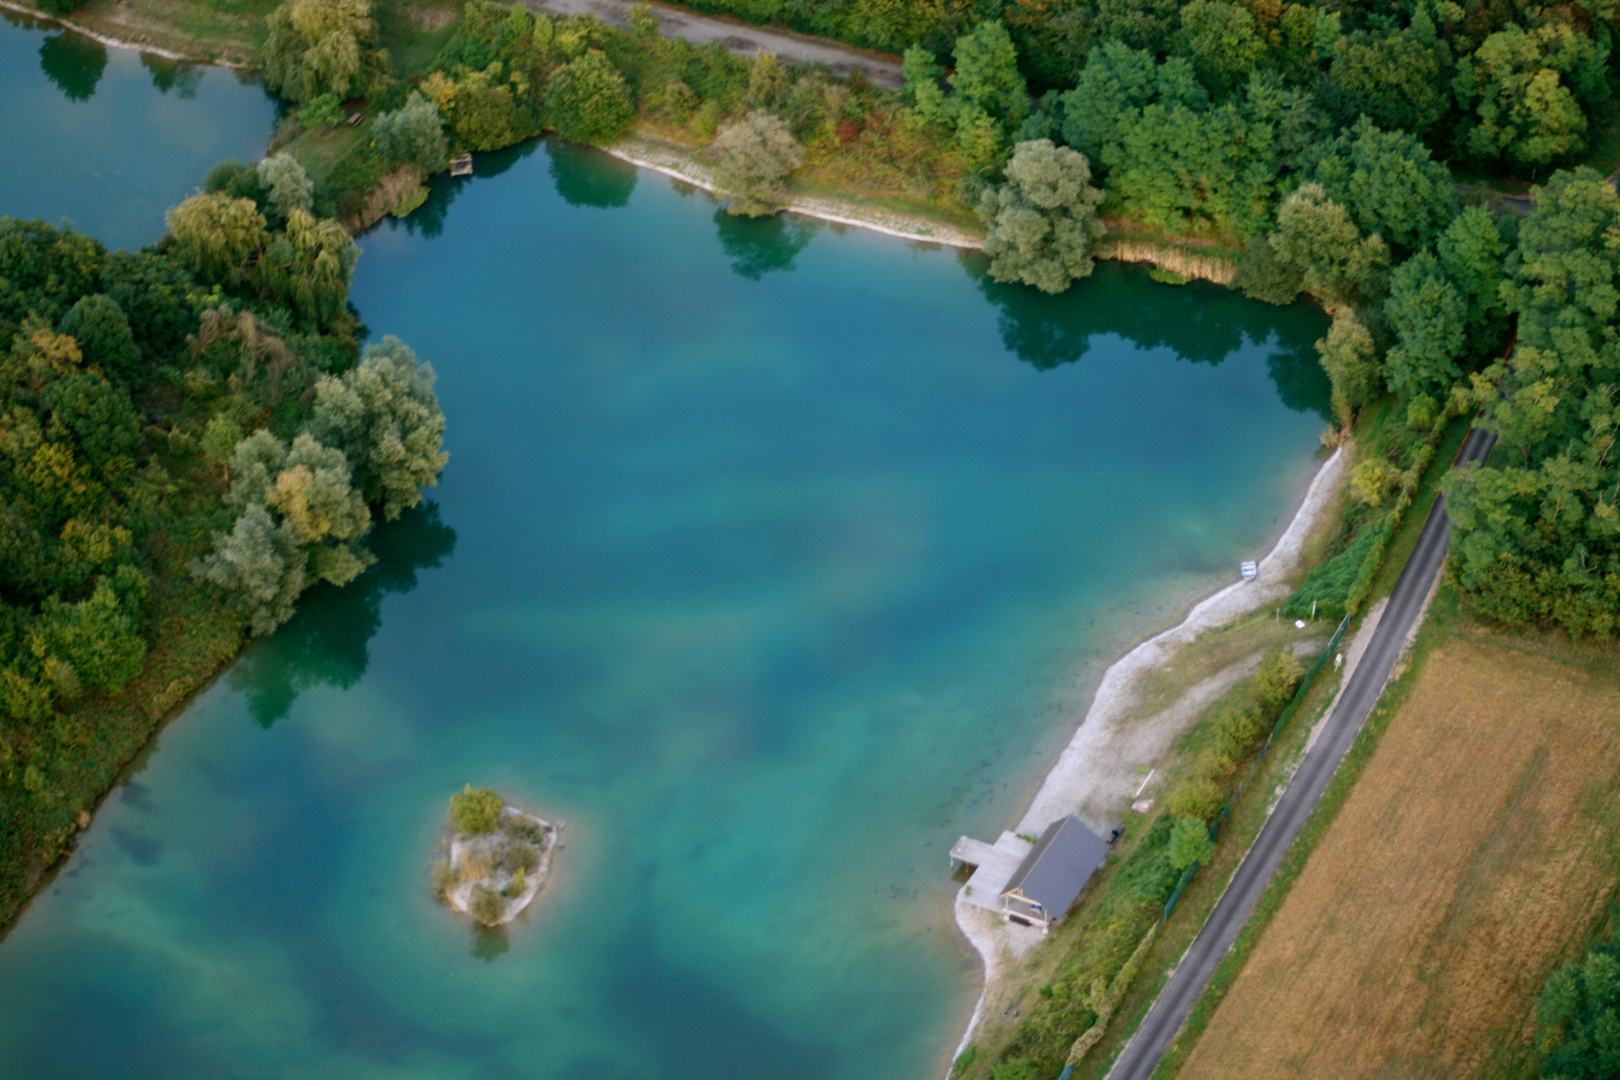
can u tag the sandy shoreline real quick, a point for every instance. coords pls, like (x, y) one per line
(112, 42)
(673, 162)
(1098, 771)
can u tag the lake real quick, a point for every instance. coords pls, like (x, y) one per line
(771, 557)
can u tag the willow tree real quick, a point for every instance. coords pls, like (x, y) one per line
(1043, 220)
(308, 266)
(317, 47)
(755, 156)
(386, 418)
(217, 234)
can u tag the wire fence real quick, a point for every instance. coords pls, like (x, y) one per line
(1259, 759)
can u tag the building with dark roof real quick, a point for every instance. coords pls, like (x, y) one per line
(1044, 887)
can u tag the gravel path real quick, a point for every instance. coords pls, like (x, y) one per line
(738, 37)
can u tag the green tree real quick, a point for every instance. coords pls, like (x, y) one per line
(1277, 677)
(1317, 235)
(754, 157)
(98, 637)
(481, 107)
(259, 566)
(412, 134)
(220, 439)
(1577, 1014)
(1390, 184)
(1399, 80)
(1521, 86)
(386, 418)
(1472, 251)
(325, 511)
(96, 416)
(308, 266)
(1430, 320)
(317, 47)
(1223, 41)
(286, 185)
(987, 76)
(1114, 86)
(1351, 361)
(98, 324)
(1265, 275)
(217, 235)
(1043, 220)
(588, 100)
(1536, 535)
(922, 89)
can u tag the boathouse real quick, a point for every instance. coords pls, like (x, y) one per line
(1032, 884)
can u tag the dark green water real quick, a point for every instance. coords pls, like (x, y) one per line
(770, 557)
(110, 138)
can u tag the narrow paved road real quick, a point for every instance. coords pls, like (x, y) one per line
(1164, 1020)
(738, 37)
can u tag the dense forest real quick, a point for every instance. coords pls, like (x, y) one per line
(190, 436)
(1317, 146)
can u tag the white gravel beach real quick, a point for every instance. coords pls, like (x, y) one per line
(1100, 770)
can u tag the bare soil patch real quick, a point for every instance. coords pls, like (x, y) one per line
(1473, 855)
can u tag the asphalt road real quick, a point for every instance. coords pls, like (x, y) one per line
(1169, 1012)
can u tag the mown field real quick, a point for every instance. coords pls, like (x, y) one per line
(1476, 852)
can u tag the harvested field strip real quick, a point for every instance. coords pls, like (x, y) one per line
(1472, 856)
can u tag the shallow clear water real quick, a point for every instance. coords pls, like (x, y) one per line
(770, 557)
(111, 138)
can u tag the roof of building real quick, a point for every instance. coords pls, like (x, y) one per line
(1058, 866)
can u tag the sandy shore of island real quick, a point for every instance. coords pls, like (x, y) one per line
(1100, 770)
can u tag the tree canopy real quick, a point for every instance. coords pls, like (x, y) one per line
(1043, 220)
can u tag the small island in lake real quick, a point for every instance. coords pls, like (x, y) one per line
(499, 857)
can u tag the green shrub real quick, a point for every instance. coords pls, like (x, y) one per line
(443, 878)
(475, 811)
(1190, 844)
(323, 111)
(588, 100)
(484, 905)
(524, 858)
(1277, 678)
(1327, 587)
(1196, 797)
(1236, 732)
(413, 134)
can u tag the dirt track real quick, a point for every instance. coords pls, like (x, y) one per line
(738, 37)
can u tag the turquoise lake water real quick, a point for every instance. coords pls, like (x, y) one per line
(771, 557)
(111, 138)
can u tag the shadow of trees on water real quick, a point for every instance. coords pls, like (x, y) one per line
(326, 642)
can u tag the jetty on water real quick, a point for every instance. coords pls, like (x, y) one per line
(1031, 883)
(461, 165)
